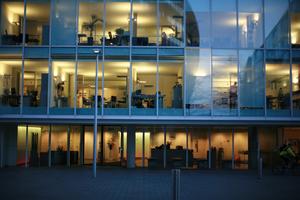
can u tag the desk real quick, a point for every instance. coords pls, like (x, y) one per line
(150, 99)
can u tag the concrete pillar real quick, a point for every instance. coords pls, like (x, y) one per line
(130, 147)
(253, 147)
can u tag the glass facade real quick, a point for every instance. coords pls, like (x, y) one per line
(157, 58)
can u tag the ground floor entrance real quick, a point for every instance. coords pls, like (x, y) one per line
(145, 146)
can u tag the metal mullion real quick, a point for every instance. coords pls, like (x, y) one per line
(238, 58)
(264, 58)
(23, 57)
(157, 56)
(49, 61)
(130, 58)
(211, 54)
(103, 57)
(76, 60)
(291, 62)
(26, 147)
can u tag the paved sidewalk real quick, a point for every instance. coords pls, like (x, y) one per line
(113, 184)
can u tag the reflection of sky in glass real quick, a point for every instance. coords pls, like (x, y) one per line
(274, 11)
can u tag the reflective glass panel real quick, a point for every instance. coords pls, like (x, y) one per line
(224, 80)
(251, 23)
(63, 31)
(276, 24)
(224, 24)
(278, 83)
(198, 82)
(197, 23)
(252, 90)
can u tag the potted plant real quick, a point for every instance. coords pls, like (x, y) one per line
(91, 27)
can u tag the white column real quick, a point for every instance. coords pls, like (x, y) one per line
(26, 147)
(49, 147)
(143, 149)
(68, 147)
(95, 119)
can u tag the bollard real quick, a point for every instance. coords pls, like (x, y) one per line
(175, 190)
(260, 168)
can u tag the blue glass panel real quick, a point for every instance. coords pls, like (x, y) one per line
(278, 83)
(252, 90)
(276, 24)
(63, 22)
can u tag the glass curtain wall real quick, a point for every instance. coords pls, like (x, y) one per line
(12, 22)
(276, 24)
(171, 22)
(10, 86)
(198, 82)
(88, 139)
(144, 23)
(59, 139)
(295, 21)
(250, 23)
(35, 92)
(241, 149)
(224, 80)
(252, 85)
(170, 93)
(221, 148)
(197, 23)
(144, 96)
(116, 88)
(278, 83)
(117, 25)
(37, 22)
(156, 159)
(296, 82)
(90, 22)
(62, 87)
(35, 145)
(86, 82)
(142, 146)
(176, 148)
(199, 144)
(63, 30)
(224, 24)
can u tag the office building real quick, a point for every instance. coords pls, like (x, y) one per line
(148, 83)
